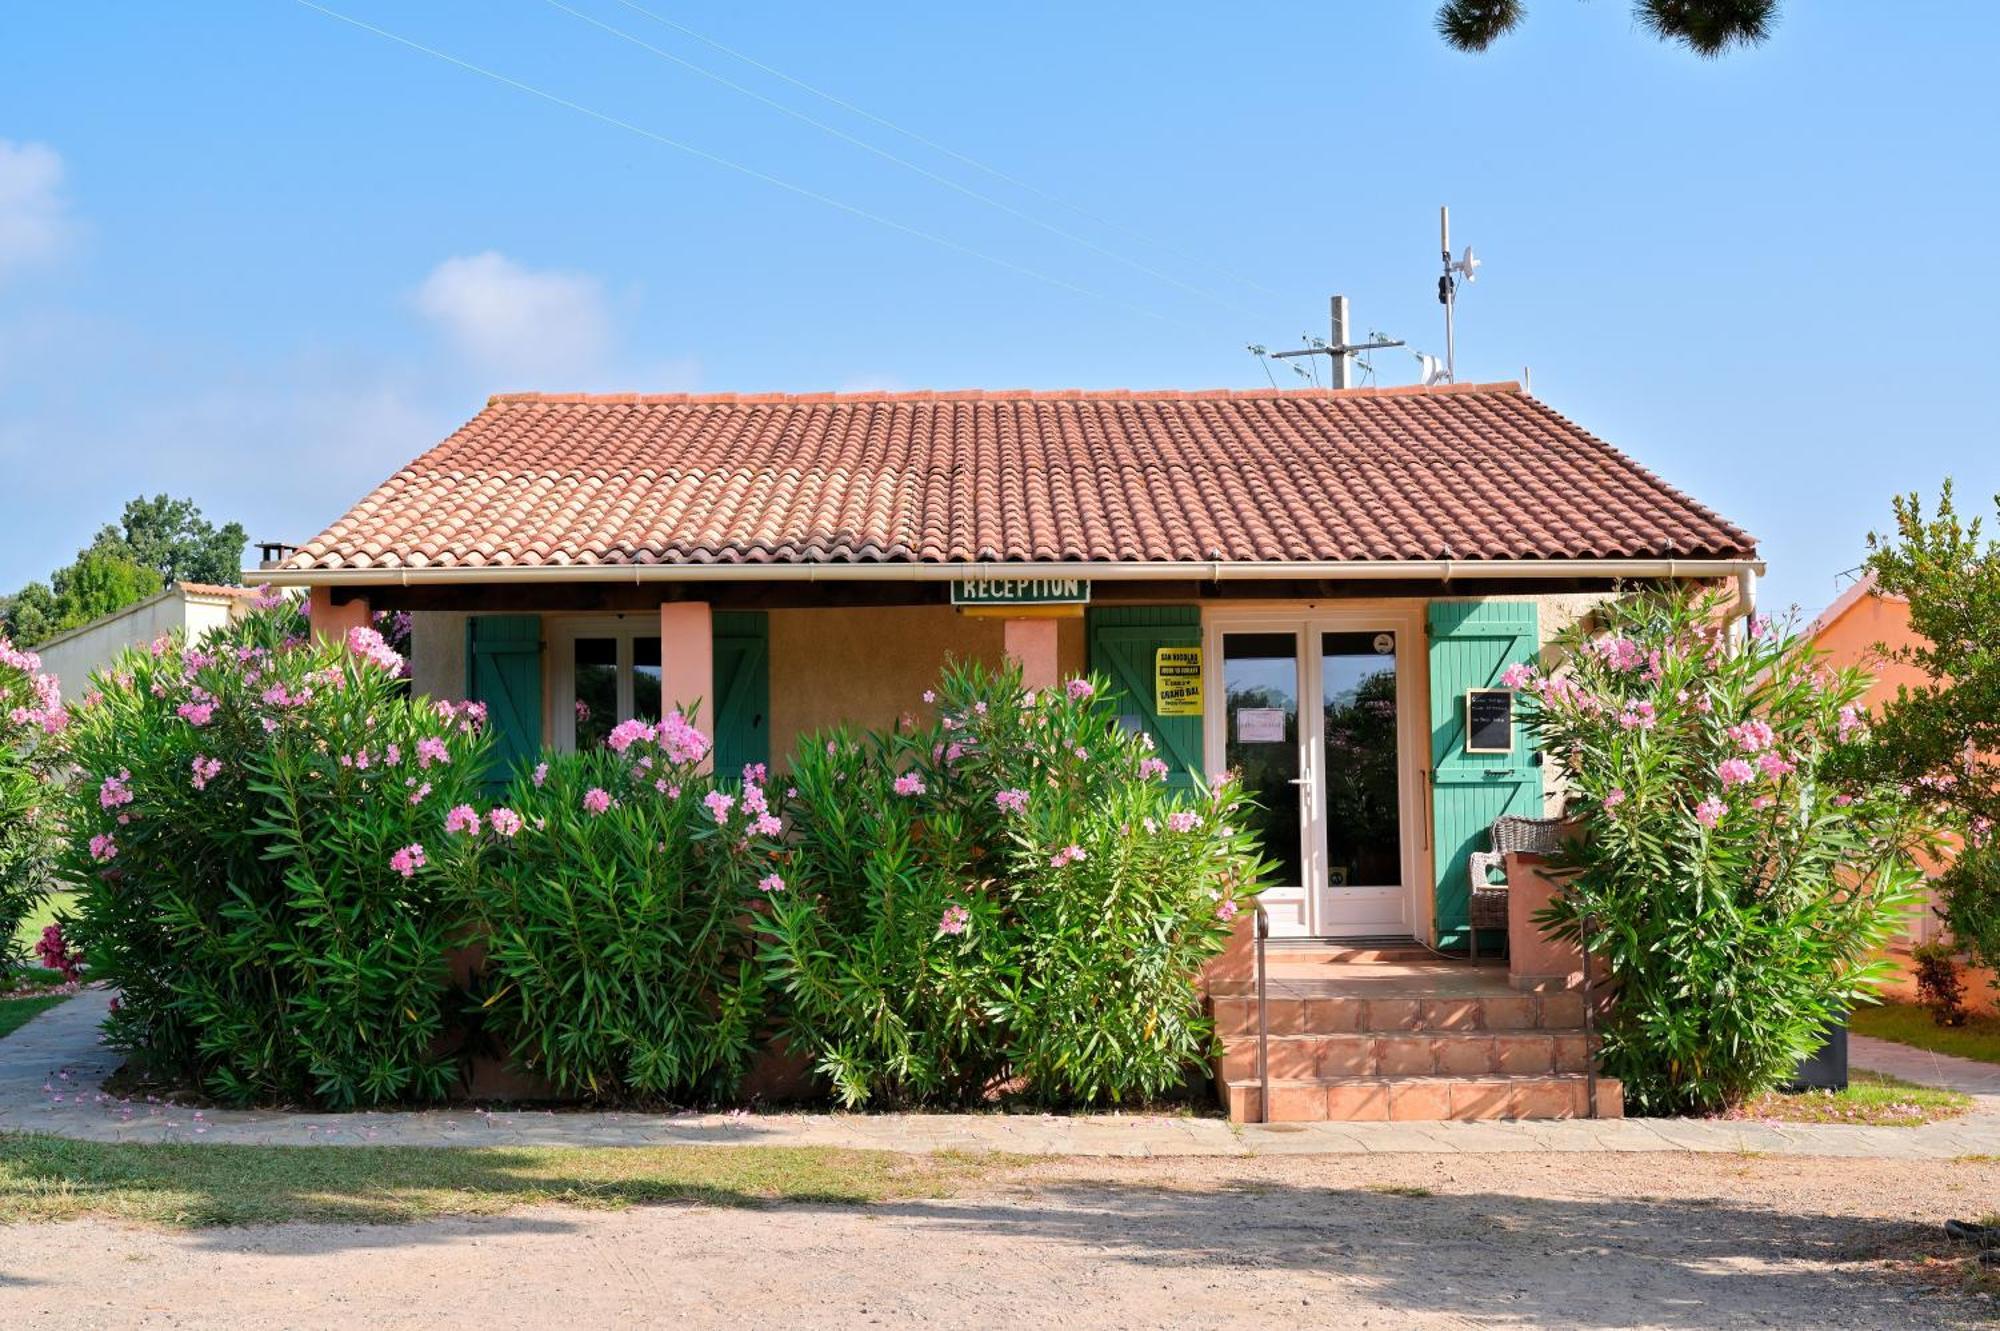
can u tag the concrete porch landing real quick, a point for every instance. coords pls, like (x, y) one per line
(1401, 1034)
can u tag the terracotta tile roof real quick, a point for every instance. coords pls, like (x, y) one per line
(1473, 471)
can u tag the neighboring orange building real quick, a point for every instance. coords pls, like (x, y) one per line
(1853, 631)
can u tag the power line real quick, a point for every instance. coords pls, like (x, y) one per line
(738, 167)
(952, 153)
(888, 156)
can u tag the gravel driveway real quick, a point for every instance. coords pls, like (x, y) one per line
(1603, 1241)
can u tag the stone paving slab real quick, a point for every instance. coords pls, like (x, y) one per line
(52, 1071)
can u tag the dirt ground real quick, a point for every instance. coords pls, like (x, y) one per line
(1403, 1241)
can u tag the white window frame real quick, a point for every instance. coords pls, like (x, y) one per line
(563, 633)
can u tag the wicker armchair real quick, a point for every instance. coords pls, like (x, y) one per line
(1488, 902)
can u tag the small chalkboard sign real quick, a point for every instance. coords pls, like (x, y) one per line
(1489, 720)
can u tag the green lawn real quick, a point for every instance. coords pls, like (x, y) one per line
(1906, 1023)
(51, 1178)
(1871, 1097)
(14, 1012)
(30, 932)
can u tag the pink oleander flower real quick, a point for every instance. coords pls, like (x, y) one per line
(1183, 820)
(755, 774)
(771, 882)
(1638, 716)
(417, 795)
(1709, 812)
(408, 860)
(196, 714)
(431, 749)
(1226, 910)
(1516, 676)
(1775, 765)
(1615, 798)
(1842, 801)
(596, 800)
(114, 791)
(1011, 801)
(1070, 854)
(1152, 769)
(504, 821)
(719, 804)
(1852, 719)
(463, 818)
(930, 695)
(953, 752)
(264, 598)
(626, 733)
(754, 800)
(768, 824)
(954, 920)
(205, 770)
(1621, 654)
(1735, 771)
(104, 848)
(1752, 736)
(541, 774)
(370, 646)
(1763, 801)
(1079, 689)
(909, 783)
(682, 740)
(393, 754)
(979, 709)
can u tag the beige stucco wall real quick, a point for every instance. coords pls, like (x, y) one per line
(868, 666)
(72, 656)
(437, 654)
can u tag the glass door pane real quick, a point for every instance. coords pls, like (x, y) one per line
(1260, 675)
(1364, 824)
(596, 690)
(646, 678)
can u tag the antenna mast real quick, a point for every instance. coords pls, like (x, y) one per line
(1338, 351)
(1467, 267)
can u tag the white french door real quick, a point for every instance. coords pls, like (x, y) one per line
(1320, 714)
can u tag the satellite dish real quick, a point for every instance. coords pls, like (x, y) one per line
(1430, 370)
(1468, 267)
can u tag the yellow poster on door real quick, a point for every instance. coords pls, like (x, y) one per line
(1177, 681)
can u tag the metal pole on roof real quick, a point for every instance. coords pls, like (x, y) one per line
(1337, 309)
(1446, 290)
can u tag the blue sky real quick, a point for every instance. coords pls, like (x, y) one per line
(255, 255)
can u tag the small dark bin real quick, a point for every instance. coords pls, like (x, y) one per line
(1826, 1068)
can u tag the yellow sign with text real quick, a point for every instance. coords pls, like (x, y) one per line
(1177, 681)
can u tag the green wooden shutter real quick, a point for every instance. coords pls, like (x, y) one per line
(742, 693)
(1471, 642)
(1122, 642)
(503, 669)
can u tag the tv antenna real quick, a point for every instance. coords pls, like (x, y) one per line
(1466, 267)
(1337, 349)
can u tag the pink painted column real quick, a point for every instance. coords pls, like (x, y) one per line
(1032, 644)
(687, 662)
(333, 621)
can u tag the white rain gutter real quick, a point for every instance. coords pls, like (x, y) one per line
(1744, 571)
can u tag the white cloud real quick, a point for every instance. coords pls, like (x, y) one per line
(540, 327)
(34, 217)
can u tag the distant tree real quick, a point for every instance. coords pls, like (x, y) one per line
(32, 614)
(1706, 27)
(98, 583)
(1941, 740)
(171, 537)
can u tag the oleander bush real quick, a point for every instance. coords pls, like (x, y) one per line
(1010, 892)
(32, 720)
(611, 892)
(1737, 881)
(253, 825)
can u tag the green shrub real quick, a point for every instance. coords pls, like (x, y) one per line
(1009, 892)
(32, 720)
(611, 891)
(1737, 884)
(252, 827)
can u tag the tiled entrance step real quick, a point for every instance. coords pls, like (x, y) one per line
(1379, 1099)
(1364, 1039)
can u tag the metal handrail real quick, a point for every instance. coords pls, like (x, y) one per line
(1263, 931)
(1589, 1022)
